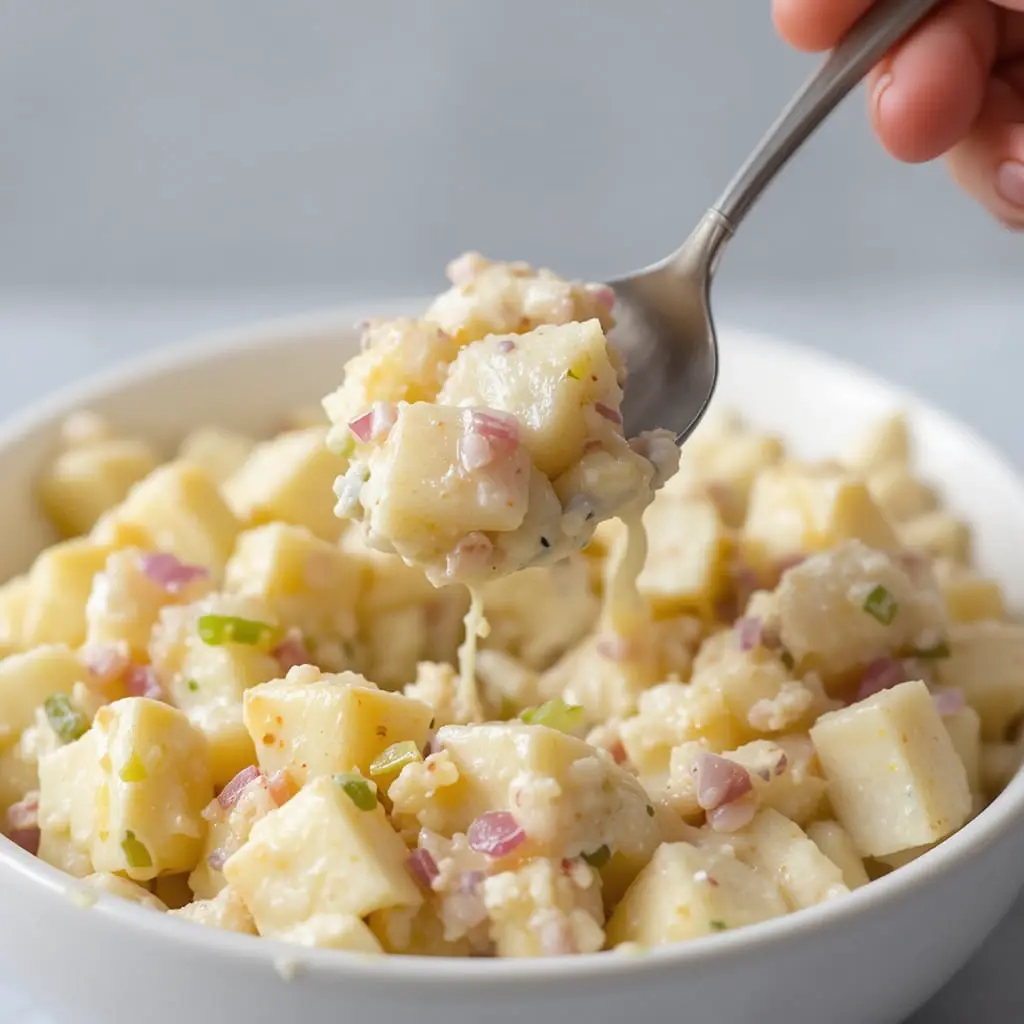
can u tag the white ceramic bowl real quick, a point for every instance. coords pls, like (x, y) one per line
(871, 957)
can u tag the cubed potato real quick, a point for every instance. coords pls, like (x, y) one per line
(313, 724)
(964, 728)
(19, 775)
(70, 778)
(321, 854)
(937, 533)
(154, 785)
(545, 378)
(568, 797)
(835, 843)
(125, 604)
(59, 584)
(895, 779)
(541, 897)
(220, 453)
(333, 931)
(402, 360)
(685, 892)
(999, 764)
(225, 911)
(887, 442)
(415, 932)
(968, 596)
(125, 889)
(13, 602)
(781, 850)
(57, 850)
(85, 481)
(309, 584)
(419, 501)
(687, 557)
(795, 509)
(290, 479)
(845, 607)
(177, 509)
(899, 494)
(986, 662)
(27, 679)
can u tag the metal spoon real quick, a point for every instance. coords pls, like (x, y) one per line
(663, 312)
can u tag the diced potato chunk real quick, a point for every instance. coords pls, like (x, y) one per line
(26, 680)
(887, 442)
(969, 597)
(845, 607)
(687, 892)
(13, 602)
(780, 849)
(84, 482)
(794, 509)
(987, 663)
(546, 379)
(220, 453)
(899, 494)
(334, 931)
(125, 888)
(177, 509)
(418, 500)
(59, 586)
(18, 777)
(895, 778)
(290, 479)
(312, 724)
(224, 911)
(964, 728)
(308, 583)
(320, 854)
(835, 843)
(937, 533)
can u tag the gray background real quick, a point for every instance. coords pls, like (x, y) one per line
(167, 167)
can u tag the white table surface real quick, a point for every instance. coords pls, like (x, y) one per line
(962, 347)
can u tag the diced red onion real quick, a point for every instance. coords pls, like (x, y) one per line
(105, 662)
(229, 795)
(719, 780)
(292, 651)
(170, 573)
(500, 428)
(610, 414)
(26, 838)
(375, 423)
(423, 866)
(506, 345)
(948, 702)
(496, 833)
(471, 556)
(748, 632)
(280, 787)
(764, 774)
(782, 764)
(732, 816)
(218, 858)
(880, 675)
(602, 295)
(141, 681)
(24, 814)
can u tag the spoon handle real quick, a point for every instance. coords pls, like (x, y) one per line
(884, 24)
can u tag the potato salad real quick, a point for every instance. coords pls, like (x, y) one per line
(461, 670)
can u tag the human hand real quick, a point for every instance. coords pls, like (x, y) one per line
(953, 88)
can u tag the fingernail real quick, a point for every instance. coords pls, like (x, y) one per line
(881, 85)
(1010, 182)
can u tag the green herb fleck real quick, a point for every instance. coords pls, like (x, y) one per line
(358, 790)
(881, 605)
(395, 758)
(555, 714)
(572, 375)
(940, 650)
(134, 770)
(135, 853)
(719, 926)
(66, 721)
(192, 685)
(599, 857)
(217, 630)
(650, 811)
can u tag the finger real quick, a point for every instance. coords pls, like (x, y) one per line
(989, 163)
(926, 95)
(815, 25)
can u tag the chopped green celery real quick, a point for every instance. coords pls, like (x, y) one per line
(358, 790)
(599, 857)
(555, 714)
(66, 721)
(135, 852)
(217, 630)
(192, 685)
(719, 926)
(395, 758)
(134, 770)
(881, 605)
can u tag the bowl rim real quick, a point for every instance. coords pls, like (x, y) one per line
(991, 825)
